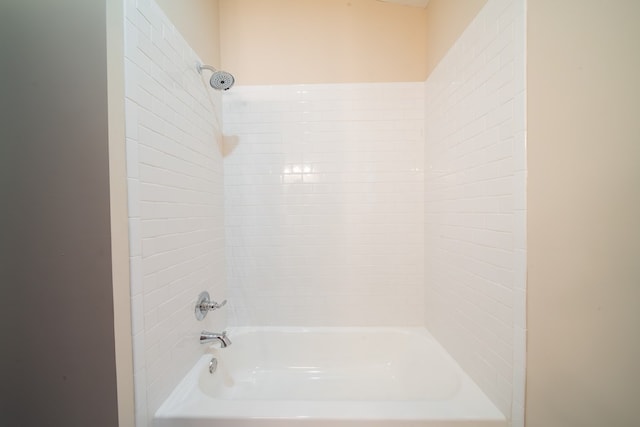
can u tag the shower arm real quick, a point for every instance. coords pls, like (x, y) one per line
(205, 67)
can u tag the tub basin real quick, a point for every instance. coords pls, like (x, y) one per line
(328, 377)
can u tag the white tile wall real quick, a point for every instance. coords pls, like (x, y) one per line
(176, 207)
(324, 204)
(475, 182)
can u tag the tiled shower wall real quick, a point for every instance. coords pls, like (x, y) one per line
(324, 204)
(174, 168)
(475, 181)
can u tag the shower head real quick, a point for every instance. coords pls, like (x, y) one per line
(220, 80)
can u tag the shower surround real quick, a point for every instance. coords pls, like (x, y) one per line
(393, 204)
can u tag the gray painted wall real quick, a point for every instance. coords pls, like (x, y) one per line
(56, 296)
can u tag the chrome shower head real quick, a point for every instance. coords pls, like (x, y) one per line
(220, 80)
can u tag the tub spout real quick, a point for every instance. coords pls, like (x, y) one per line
(207, 337)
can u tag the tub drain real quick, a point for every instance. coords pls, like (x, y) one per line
(213, 365)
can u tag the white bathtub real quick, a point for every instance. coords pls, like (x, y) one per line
(317, 377)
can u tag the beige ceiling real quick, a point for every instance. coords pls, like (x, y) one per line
(416, 3)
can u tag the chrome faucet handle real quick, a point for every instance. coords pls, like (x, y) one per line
(205, 305)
